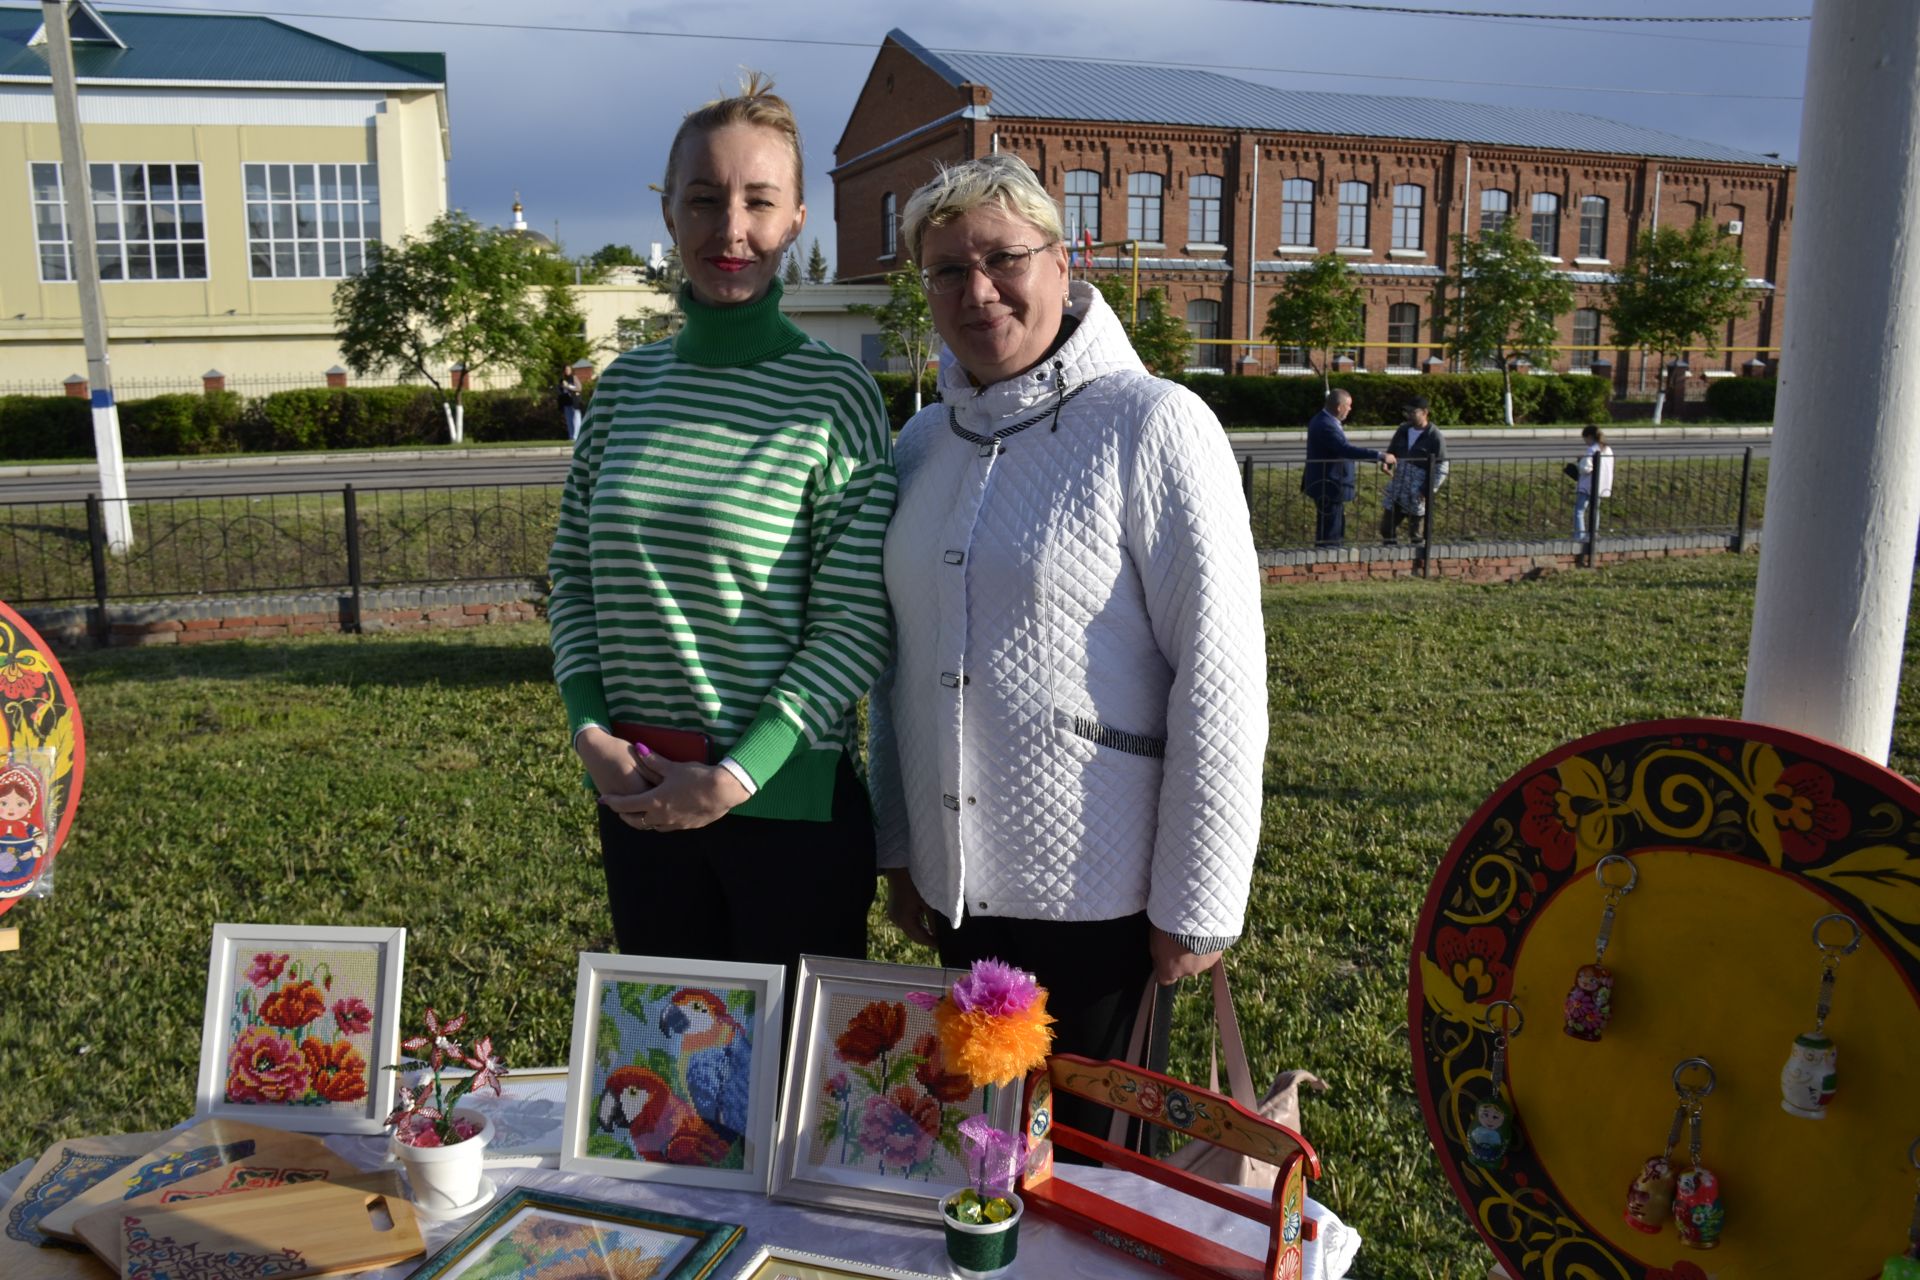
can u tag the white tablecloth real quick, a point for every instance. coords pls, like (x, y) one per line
(1048, 1251)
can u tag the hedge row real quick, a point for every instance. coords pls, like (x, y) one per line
(1741, 399)
(362, 417)
(1380, 399)
(354, 417)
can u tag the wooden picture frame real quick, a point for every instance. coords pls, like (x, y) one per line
(853, 1029)
(695, 1245)
(674, 1070)
(777, 1262)
(300, 1021)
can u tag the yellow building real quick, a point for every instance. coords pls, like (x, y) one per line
(238, 167)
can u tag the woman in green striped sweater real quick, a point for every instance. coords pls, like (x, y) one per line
(717, 587)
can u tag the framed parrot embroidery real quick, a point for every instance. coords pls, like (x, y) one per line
(674, 1070)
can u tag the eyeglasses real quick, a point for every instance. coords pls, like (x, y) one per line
(1001, 265)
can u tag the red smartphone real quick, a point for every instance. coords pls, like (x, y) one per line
(688, 746)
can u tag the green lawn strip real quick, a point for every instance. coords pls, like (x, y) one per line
(425, 780)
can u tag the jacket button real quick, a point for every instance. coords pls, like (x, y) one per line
(969, 799)
(982, 905)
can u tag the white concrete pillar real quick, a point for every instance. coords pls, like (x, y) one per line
(1843, 492)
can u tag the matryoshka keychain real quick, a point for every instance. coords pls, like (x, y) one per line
(1811, 1074)
(1692, 1197)
(1590, 999)
(1906, 1266)
(1491, 1134)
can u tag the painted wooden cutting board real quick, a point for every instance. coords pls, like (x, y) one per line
(308, 1229)
(207, 1145)
(64, 1170)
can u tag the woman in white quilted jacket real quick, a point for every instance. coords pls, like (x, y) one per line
(1066, 754)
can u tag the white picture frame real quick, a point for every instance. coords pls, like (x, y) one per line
(801, 1265)
(821, 1076)
(272, 991)
(642, 1103)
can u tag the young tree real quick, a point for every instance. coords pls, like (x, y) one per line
(616, 255)
(816, 265)
(556, 339)
(1317, 309)
(454, 295)
(1159, 338)
(1501, 302)
(906, 326)
(791, 275)
(1679, 289)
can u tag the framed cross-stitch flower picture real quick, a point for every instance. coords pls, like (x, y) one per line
(300, 1021)
(545, 1235)
(674, 1070)
(869, 1114)
(777, 1262)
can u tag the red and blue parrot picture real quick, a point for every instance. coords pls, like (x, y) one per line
(673, 1074)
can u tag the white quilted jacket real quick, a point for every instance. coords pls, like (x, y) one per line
(1075, 722)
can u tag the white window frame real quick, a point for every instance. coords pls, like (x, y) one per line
(1203, 208)
(1584, 359)
(1140, 202)
(1501, 209)
(118, 253)
(298, 244)
(1409, 216)
(889, 225)
(1295, 209)
(1593, 248)
(1208, 357)
(1352, 226)
(1078, 204)
(1544, 205)
(1403, 357)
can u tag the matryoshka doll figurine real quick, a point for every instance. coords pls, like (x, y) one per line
(1491, 1133)
(1589, 1004)
(1650, 1197)
(1811, 1075)
(1906, 1266)
(1487, 1140)
(1696, 1209)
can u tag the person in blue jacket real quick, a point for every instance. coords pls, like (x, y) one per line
(1329, 475)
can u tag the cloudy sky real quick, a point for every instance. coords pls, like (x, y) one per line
(572, 102)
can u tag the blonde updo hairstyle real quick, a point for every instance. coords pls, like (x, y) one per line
(959, 189)
(756, 104)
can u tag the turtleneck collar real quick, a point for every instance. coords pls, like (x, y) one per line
(744, 334)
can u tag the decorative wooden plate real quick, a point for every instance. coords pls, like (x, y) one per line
(39, 731)
(1743, 836)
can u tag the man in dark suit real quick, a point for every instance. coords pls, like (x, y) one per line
(1329, 476)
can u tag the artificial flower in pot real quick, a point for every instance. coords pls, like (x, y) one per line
(441, 1145)
(994, 1029)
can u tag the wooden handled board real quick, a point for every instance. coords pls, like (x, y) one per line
(308, 1229)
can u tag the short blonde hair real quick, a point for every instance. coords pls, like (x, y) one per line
(756, 104)
(960, 189)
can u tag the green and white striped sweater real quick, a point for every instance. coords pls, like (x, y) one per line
(717, 562)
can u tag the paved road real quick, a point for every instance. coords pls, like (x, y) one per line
(214, 477)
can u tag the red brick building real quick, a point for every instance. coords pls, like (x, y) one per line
(1213, 176)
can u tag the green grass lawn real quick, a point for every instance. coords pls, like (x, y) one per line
(425, 781)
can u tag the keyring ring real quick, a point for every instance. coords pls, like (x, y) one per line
(1633, 873)
(1520, 1019)
(1913, 1154)
(1686, 1091)
(1852, 945)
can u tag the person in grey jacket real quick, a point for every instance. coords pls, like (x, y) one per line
(1066, 756)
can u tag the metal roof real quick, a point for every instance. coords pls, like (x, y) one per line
(1073, 89)
(209, 49)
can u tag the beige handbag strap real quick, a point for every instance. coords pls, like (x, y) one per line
(1224, 1040)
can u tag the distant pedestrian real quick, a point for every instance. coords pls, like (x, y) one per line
(1329, 478)
(1594, 479)
(569, 395)
(1418, 445)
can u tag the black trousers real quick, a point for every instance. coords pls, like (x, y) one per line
(759, 890)
(1329, 521)
(1094, 972)
(1390, 525)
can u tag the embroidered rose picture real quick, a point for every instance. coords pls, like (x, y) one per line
(301, 1027)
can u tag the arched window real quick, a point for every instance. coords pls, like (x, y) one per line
(1403, 326)
(1203, 321)
(1546, 223)
(1143, 207)
(1296, 212)
(1082, 205)
(1593, 227)
(1495, 204)
(1353, 214)
(1203, 209)
(889, 227)
(1586, 333)
(1408, 205)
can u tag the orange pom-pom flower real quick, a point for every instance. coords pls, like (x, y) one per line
(994, 1025)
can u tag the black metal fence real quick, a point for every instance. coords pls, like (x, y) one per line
(350, 540)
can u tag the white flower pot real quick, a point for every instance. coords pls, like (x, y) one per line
(446, 1178)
